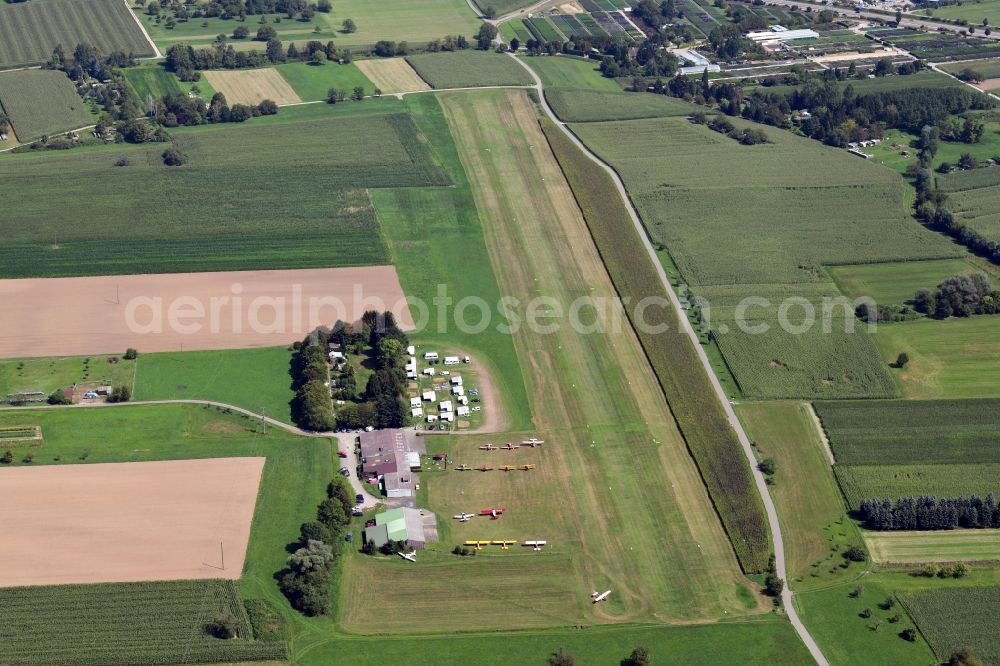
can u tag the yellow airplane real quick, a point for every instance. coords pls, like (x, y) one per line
(478, 544)
(527, 467)
(504, 545)
(507, 468)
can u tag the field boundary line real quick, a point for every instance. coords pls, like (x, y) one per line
(772, 514)
(156, 49)
(822, 433)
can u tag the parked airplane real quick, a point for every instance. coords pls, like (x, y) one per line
(510, 446)
(533, 442)
(535, 545)
(463, 517)
(478, 544)
(494, 514)
(600, 597)
(507, 468)
(485, 468)
(411, 557)
(463, 468)
(487, 447)
(504, 545)
(527, 468)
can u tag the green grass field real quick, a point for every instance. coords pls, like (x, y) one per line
(672, 169)
(29, 31)
(893, 432)
(950, 618)
(764, 642)
(814, 522)
(48, 374)
(395, 20)
(100, 624)
(834, 619)
(890, 152)
(893, 481)
(40, 102)
(233, 206)
(255, 379)
(942, 546)
(954, 358)
(570, 72)
(467, 69)
(511, 30)
(896, 283)
(989, 68)
(576, 105)
(151, 81)
(311, 83)
(974, 12)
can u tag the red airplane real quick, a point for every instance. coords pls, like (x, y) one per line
(492, 513)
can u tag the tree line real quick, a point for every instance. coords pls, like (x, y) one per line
(929, 513)
(312, 407)
(959, 296)
(930, 207)
(306, 581)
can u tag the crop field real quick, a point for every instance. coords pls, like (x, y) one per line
(394, 20)
(955, 358)
(40, 102)
(672, 168)
(255, 379)
(652, 514)
(311, 83)
(689, 394)
(950, 618)
(569, 72)
(511, 30)
(543, 29)
(960, 181)
(50, 373)
(979, 209)
(893, 432)
(30, 30)
(151, 81)
(392, 75)
(834, 619)
(809, 503)
(580, 105)
(860, 482)
(943, 546)
(467, 69)
(252, 86)
(759, 643)
(896, 283)
(195, 218)
(125, 624)
(503, 6)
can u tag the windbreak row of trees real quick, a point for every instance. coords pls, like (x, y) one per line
(930, 513)
(312, 408)
(930, 207)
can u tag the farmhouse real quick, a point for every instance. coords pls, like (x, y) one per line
(414, 526)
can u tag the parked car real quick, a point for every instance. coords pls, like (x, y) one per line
(359, 499)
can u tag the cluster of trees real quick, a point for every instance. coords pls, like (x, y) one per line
(181, 109)
(930, 207)
(959, 296)
(748, 136)
(228, 9)
(306, 582)
(640, 656)
(649, 59)
(312, 407)
(773, 584)
(930, 513)
(380, 404)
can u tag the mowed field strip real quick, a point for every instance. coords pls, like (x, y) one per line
(124, 522)
(392, 76)
(633, 507)
(233, 310)
(252, 86)
(941, 546)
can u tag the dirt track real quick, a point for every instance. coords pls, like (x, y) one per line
(107, 314)
(122, 522)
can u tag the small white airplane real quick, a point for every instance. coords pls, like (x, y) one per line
(464, 517)
(533, 442)
(600, 597)
(411, 557)
(535, 545)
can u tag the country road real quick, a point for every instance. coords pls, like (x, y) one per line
(772, 514)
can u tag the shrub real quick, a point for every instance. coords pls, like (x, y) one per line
(131, 354)
(856, 554)
(120, 394)
(122, 161)
(767, 466)
(58, 398)
(639, 657)
(562, 658)
(773, 585)
(174, 156)
(221, 626)
(7, 457)
(908, 634)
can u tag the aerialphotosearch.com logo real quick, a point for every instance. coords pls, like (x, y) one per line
(296, 313)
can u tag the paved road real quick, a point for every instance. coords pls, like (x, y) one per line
(772, 514)
(344, 440)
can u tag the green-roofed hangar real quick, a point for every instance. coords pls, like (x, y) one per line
(414, 526)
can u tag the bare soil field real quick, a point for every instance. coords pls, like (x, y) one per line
(392, 75)
(187, 311)
(252, 86)
(123, 522)
(989, 84)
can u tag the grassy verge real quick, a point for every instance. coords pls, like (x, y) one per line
(688, 390)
